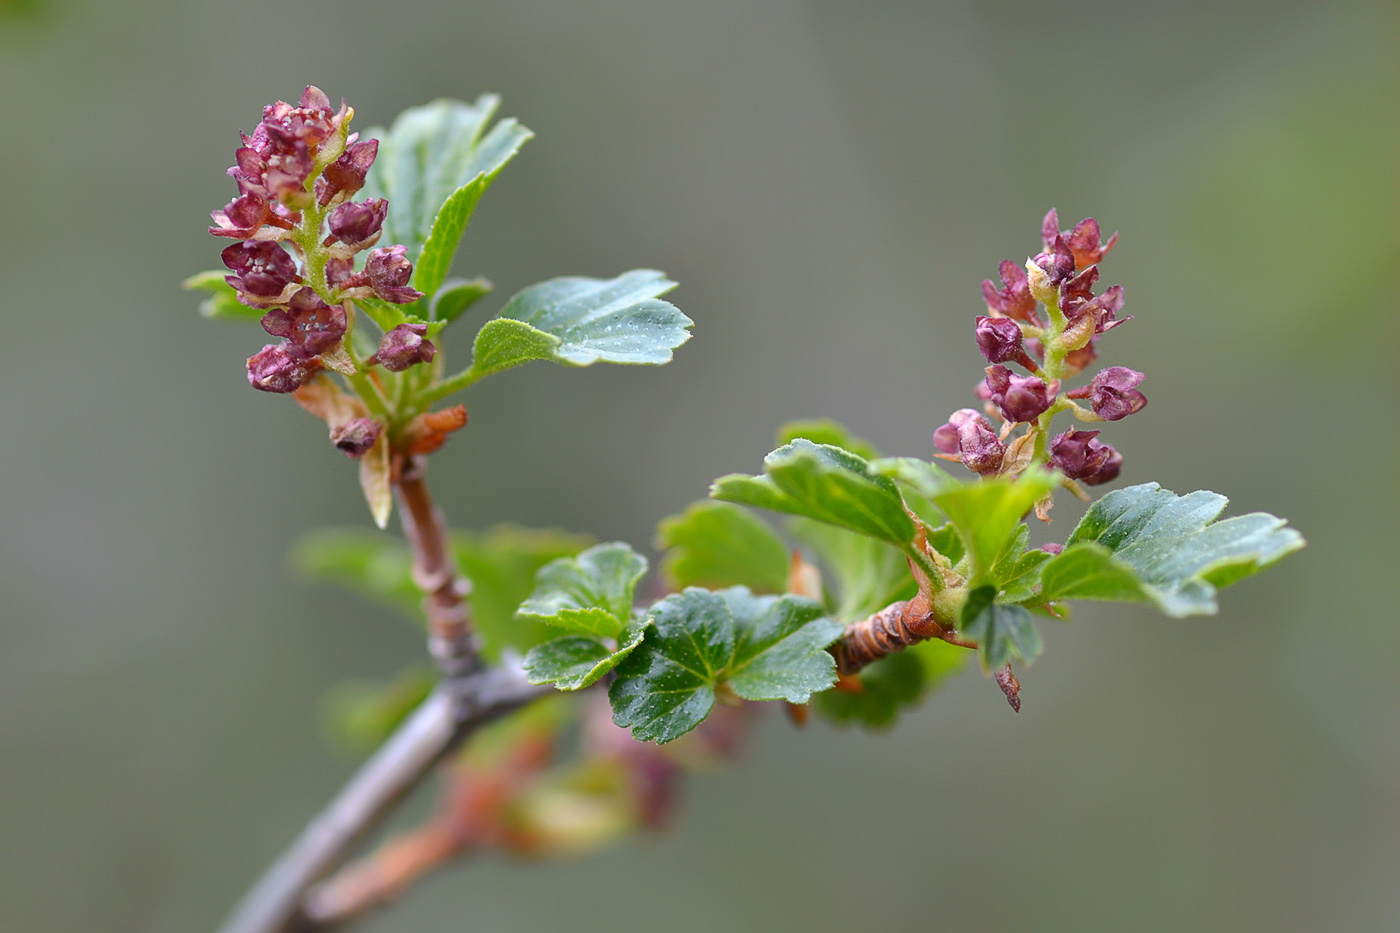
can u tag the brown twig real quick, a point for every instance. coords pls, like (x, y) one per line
(450, 638)
(890, 630)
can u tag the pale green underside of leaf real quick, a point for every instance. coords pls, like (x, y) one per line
(576, 661)
(764, 647)
(1145, 543)
(826, 483)
(580, 321)
(861, 573)
(222, 302)
(590, 594)
(717, 545)
(1003, 632)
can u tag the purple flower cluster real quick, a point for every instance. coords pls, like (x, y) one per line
(295, 173)
(1051, 345)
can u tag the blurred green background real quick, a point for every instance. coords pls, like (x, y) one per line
(829, 182)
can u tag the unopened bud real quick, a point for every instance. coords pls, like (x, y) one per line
(356, 436)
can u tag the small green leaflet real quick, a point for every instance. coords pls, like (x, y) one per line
(590, 597)
(1016, 570)
(1002, 632)
(580, 321)
(223, 300)
(456, 296)
(826, 483)
(826, 431)
(433, 165)
(360, 714)
(1145, 543)
(717, 545)
(986, 514)
(763, 647)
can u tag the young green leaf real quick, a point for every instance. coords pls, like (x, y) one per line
(368, 562)
(577, 661)
(1016, 569)
(501, 565)
(455, 296)
(826, 483)
(717, 545)
(763, 647)
(433, 165)
(868, 574)
(1002, 632)
(590, 594)
(223, 300)
(825, 431)
(986, 513)
(1145, 543)
(360, 714)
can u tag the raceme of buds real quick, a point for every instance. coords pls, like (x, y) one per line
(1018, 398)
(1063, 277)
(273, 369)
(357, 436)
(404, 346)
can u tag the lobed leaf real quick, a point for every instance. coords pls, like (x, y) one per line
(590, 594)
(717, 545)
(1145, 543)
(577, 661)
(763, 647)
(826, 483)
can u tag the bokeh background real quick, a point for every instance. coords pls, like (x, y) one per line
(829, 182)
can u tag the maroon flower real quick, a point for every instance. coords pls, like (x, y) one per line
(999, 339)
(1018, 398)
(273, 369)
(1057, 262)
(1084, 243)
(945, 437)
(1051, 547)
(347, 173)
(356, 436)
(1080, 456)
(388, 271)
(981, 451)
(339, 272)
(312, 326)
(262, 271)
(1113, 393)
(403, 347)
(357, 224)
(243, 217)
(1014, 298)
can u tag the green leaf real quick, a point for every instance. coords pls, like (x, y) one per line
(590, 594)
(764, 647)
(577, 661)
(501, 565)
(1016, 569)
(825, 431)
(1145, 543)
(826, 483)
(892, 684)
(579, 321)
(371, 563)
(1002, 632)
(456, 296)
(717, 545)
(223, 299)
(433, 165)
(985, 514)
(868, 574)
(360, 714)
(928, 479)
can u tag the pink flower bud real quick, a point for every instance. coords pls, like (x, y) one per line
(356, 436)
(1114, 395)
(357, 224)
(388, 271)
(1014, 299)
(310, 325)
(405, 346)
(272, 369)
(262, 271)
